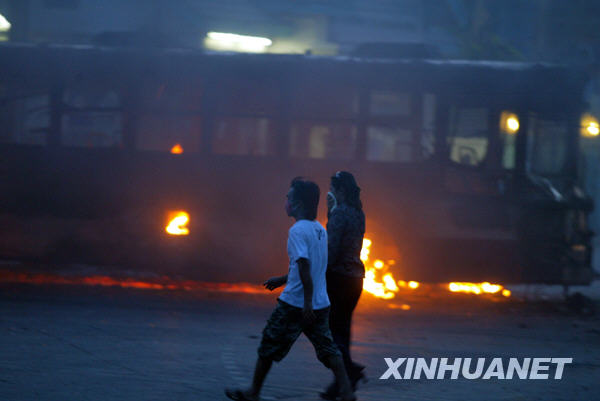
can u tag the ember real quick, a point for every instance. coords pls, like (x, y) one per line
(177, 149)
(479, 288)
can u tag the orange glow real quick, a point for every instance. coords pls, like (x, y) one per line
(163, 283)
(177, 149)
(399, 306)
(478, 288)
(178, 222)
(379, 281)
(366, 249)
(388, 281)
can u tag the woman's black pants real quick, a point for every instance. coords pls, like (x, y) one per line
(344, 292)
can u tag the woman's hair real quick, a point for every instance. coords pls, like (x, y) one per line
(344, 181)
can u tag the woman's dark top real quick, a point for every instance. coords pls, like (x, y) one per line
(345, 232)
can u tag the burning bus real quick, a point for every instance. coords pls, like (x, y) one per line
(177, 161)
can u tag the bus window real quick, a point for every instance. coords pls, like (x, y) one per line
(428, 126)
(330, 102)
(92, 129)
(247, 98)
(509, 143)
(92, 115)
(243, 136)
(468, 135)
(170, 95)
(323, 140)
(25, 120)
(83, 95)
(162, 133)
(389, 144)
(389, 103)
(547, 146)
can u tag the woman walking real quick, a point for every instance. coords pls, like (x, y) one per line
(345, 270)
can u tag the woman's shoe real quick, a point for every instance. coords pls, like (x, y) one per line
(357, 374)
(331, 392)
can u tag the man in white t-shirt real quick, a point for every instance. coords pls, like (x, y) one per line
(303, 306)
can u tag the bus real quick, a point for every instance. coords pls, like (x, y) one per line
(177, 161)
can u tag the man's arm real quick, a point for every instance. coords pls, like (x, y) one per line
(307, 285)
(275, 282)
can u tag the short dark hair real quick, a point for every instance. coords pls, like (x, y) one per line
(308, 193)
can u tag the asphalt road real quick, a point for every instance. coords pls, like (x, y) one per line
(71, 342)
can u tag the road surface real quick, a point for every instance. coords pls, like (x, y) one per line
(73, 342)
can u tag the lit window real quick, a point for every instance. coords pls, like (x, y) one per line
(468, 135)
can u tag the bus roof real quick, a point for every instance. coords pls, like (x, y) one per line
(535, 82)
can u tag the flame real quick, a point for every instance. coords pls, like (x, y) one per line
(364, 252)
(380, 282)
(177, 149)
(399, 306)
(386, 287)
(178, 222)
(478, 288)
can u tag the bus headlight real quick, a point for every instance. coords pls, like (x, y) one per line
(509, 122)
(589, 126)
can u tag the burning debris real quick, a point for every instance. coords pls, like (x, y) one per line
(177, 223)
(177, 149)
(479, 288)
(380, 282)
(162, 283)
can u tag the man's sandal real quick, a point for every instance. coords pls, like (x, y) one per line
(237, 395)
(347, 399)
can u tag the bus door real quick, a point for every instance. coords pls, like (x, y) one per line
(477, 189)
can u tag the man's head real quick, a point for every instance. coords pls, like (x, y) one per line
(303, 199)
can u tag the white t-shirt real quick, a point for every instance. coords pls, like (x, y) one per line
(307, 239)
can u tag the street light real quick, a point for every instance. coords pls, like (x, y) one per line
(4, 24)
(233, 42)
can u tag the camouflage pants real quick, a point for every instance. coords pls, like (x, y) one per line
(284, 327)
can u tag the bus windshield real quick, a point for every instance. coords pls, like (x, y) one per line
(547, 144)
